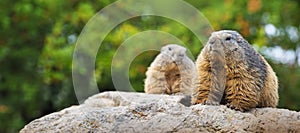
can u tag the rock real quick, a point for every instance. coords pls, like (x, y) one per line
(139, 112)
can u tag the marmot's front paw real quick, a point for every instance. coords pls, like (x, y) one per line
(210, 102)
(236, 107)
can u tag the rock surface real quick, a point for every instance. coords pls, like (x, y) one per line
(139, 112)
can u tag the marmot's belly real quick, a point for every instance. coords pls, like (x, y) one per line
(173, 79)
(244, 80)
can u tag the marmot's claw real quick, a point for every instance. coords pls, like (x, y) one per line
(235, 107)
(209, 102)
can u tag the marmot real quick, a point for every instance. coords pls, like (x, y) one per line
(171, 72)
(231, 72)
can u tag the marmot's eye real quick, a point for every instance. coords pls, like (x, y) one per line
(228, 38)
(181, 55)
(170, 49)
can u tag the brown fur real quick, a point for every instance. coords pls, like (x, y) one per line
(250, 81)
(173, 79)
(171, 72)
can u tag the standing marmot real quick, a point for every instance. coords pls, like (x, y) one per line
(231, 72)
(172, 72)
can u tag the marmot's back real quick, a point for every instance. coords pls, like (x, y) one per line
(243, 81)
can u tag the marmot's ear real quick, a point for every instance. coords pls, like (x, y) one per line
(163, 48)
(239, 40)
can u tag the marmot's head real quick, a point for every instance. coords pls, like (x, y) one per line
(228, 41)
(174, 51)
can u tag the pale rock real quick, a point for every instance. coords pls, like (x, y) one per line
(138, 112)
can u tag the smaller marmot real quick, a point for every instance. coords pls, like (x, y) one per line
(231, 72)
(171, 72)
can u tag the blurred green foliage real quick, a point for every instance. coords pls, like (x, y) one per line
(37, 40)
